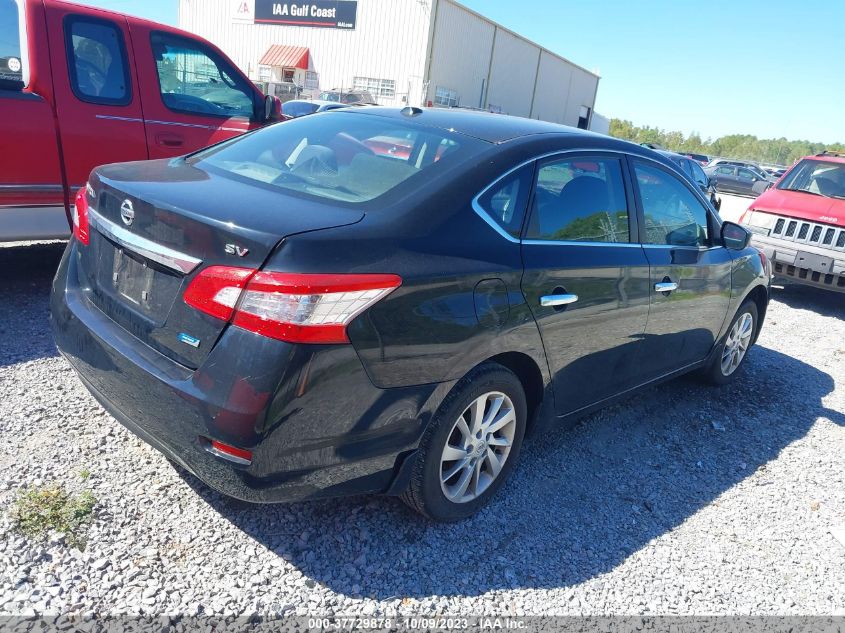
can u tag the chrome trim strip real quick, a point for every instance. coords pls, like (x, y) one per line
(576, 243)
(176, 123)
(548, 301)
(38, 188)
(158, 253)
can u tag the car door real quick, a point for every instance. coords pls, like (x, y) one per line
(726, 178)
(194, 96)
(97, 97)
(746, 179)
(690, 273)
(586, 279)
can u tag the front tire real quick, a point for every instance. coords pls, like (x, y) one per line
(734, 346)
(471, 445)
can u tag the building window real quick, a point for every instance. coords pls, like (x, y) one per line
(312, 80)
(445, 97)
(264, 73)
(376, 87)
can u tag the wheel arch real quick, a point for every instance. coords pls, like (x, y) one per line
(530, 376)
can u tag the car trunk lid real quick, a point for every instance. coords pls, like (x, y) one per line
(156, 224)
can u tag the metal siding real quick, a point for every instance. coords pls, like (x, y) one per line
(512, 74)
(553, 81)
(460, 52)
(582, 90)
(388, 42)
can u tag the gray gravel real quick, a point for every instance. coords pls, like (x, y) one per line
(685, 500)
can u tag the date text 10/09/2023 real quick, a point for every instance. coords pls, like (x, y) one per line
(487, 623)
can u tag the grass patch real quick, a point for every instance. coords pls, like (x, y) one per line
(37, 511)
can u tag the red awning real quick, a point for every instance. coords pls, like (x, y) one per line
(286, 57)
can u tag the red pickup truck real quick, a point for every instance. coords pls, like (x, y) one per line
(81, 87)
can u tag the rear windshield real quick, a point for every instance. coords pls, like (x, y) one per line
(818, 177)
(11, 65)
(341, 156)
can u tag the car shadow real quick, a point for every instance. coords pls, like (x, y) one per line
(25, 307)
(800, 297)
(580, 503)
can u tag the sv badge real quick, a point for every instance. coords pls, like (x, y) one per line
(234, 249)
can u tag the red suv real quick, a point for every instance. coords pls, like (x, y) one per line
(800, 222)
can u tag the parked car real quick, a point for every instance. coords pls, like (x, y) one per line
(774, 171)
(729, 178)
(800, 222)
(349, 97)
(754, 167)
(357, 323)
(77, 91)
(302, 107)
(692, 170)
(701, 159)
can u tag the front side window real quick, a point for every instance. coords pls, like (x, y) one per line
(673, 215)
(505, 201)
(580, 199)
(194, 80)
(11, 62)
(824, 178)
(97, 64)
(698, 175)
(345, 157)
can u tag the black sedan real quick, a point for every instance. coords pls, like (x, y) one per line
(738, 179)
(386, 301)
(692, 170)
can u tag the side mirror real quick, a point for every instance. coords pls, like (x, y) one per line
(272, 109)
(735, 237)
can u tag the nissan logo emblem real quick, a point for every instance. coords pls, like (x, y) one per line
(127, 212)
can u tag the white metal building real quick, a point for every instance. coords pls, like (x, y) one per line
(405, 52)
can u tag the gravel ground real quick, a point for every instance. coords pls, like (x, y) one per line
(684, 500)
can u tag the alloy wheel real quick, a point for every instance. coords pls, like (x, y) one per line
(477, 447)
(737, 343)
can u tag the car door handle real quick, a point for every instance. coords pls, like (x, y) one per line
(169, 140)
(550, 301)
(665, 286)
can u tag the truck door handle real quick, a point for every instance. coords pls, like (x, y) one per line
(665, 286)
(550, 301)
(169, 140)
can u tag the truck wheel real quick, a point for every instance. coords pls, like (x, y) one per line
(734, 346)
(471, 445)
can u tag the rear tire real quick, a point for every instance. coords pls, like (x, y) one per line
(733, 349)
(471, 445)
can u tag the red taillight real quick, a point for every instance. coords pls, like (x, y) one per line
(763, 259)
(232, 453)
(80, 216)
(294, 307)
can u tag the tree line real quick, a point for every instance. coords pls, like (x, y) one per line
(780, 151)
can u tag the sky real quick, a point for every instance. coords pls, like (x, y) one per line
(771, 68)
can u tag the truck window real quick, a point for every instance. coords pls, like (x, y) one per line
(194, 80)
(11, 63)
(97, 64)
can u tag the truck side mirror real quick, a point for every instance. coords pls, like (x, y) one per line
(272, 109)
(734, 236)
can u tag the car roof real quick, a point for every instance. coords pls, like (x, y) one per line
(833, 157)
(317, 102)
(493, 128)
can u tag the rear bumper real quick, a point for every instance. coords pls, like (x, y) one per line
(804, 263)
(314, 421)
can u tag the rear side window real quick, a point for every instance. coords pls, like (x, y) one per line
(346, 157)
(505, 201)
(194, 80)
(580, 200)
(725, 171)
(11, 62)
(673, 215)
(97, 64)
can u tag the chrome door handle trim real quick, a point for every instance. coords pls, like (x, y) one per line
(665, 286)
(548, 301)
